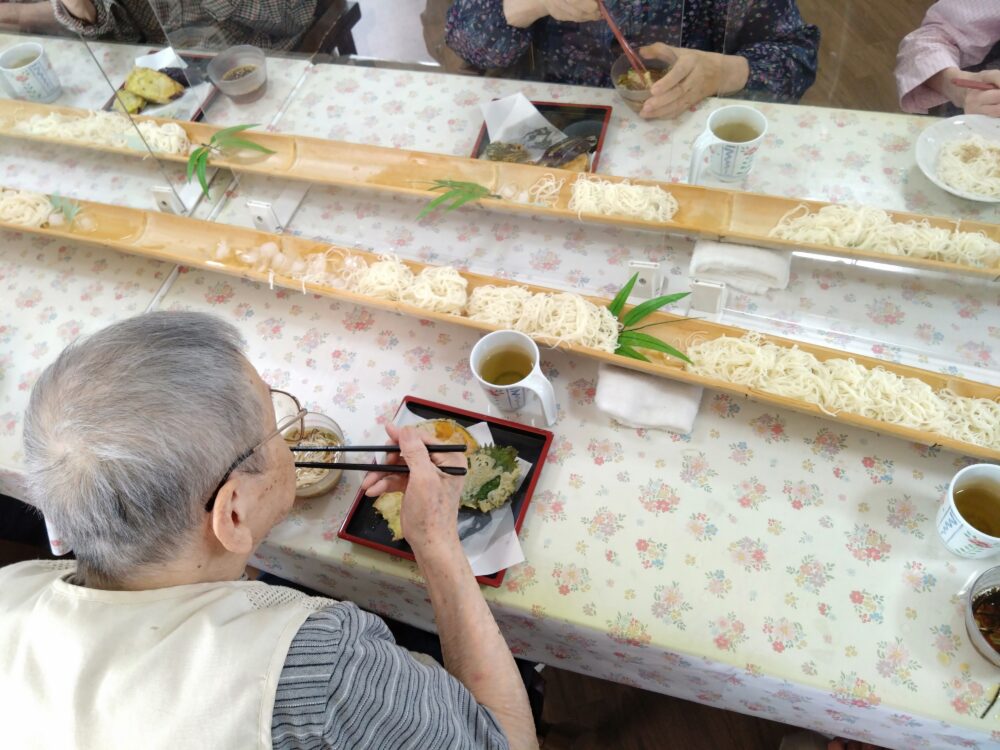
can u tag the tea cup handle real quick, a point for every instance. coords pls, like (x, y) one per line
(701, 144)
(541, 387)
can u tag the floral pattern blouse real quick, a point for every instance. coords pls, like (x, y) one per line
(770, 34)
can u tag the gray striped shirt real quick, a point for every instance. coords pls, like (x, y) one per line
(346, 684)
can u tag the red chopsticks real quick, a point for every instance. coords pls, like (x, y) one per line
(968, 83)
(633, 58)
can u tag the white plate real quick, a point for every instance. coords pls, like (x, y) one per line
(933, 138)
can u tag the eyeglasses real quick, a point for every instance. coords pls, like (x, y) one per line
(288, 413)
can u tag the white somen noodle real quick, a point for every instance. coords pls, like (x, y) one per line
(108, 129)
(843, 385)
(971, 165)
(593, 195)
(873, 229)
(25, 208)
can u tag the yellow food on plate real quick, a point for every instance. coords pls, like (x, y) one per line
(389, 505)
(129, 103)
(153, 85)
(449, 432)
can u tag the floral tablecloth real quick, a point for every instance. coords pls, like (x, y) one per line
(769, 563)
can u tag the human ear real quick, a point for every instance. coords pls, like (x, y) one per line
(229, 519)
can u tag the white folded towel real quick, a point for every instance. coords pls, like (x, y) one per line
(636, 399)
(749, 269)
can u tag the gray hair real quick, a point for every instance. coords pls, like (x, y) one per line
(129, 430)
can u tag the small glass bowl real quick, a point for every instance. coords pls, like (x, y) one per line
(987, 580)
(240, 73)
(633, 98)
(314, 420)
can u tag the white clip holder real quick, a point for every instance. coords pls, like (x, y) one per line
(708, 297)
(650, 280)
(275, 215)
(182, 200)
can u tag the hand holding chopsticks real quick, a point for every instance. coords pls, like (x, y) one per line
(634, 60)
(401, 468)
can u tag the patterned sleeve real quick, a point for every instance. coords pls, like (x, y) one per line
(780, 47)
(345, 683)
(477, 31)
(273, 18)
(113, 21)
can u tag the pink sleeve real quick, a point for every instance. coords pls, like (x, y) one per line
(954, 33)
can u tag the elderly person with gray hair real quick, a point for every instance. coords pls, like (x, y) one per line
(154, 447)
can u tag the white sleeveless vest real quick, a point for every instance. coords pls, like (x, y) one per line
(192, 666)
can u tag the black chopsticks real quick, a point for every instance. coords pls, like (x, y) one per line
(456, 471)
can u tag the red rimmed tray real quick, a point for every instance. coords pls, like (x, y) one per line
(364, 526)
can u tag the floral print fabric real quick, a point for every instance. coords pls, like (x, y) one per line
(780, 48)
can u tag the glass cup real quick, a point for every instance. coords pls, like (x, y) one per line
(987, 581)
(240, 73)
(513, 397)
(634, 98)
(959, 536)
(324, 482)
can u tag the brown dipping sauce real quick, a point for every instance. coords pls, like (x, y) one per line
(986, 612)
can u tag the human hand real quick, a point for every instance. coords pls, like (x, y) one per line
(983, 102)
(82, 9)
(429, 513)
(523, 13)
(694, 75)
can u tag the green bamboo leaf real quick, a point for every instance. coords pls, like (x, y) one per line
(67, 207)
(226, 132)
(639, 312)
(201, 169)
(193, 160)
(628, 351)
(240, 143)
(622, 297)
(645, 341)
(456, 194)
(433, 204)
(461, 200)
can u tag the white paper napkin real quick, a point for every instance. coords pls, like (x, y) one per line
(514, 119)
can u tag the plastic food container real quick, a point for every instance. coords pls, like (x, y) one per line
(329, 479)
(988, 580)
(240, 73)
(633, 98)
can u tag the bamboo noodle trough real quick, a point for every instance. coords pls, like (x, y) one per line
(196, 243)
(710, 213)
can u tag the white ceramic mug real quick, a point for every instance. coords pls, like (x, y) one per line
(727, 161)
(958, 535)
(514, 396)
(28, 74)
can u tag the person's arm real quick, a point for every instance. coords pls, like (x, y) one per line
(94, 19)
(345, 683)
(780, 49)
(496, 33)
(955, 34)
(474, 650)
(478, 32)
(27, 16)
(268, 24)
